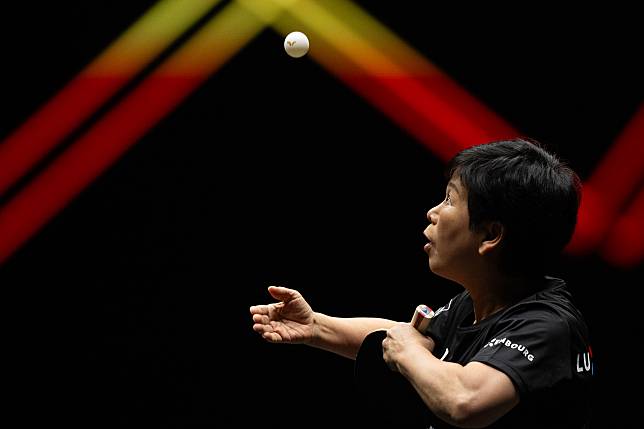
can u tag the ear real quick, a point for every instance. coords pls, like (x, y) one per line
(493, 233)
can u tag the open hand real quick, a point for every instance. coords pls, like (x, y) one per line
(289, 321)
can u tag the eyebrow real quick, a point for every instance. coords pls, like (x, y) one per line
(453, 186)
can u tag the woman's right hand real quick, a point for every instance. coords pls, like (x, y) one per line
(289, 321)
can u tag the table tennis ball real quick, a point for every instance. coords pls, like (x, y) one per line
(296, 44)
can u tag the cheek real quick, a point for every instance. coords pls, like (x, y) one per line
(449, 230)
(454, 237)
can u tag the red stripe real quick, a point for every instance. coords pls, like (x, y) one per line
(441, 130)
(624, 246)
(52, 123)
(614, 181)
(92, 154)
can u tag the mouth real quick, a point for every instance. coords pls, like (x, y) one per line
(428, 245)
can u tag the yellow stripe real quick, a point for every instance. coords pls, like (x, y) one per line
(381, 36)
(222, 37)
(149, 36)
(314, 17)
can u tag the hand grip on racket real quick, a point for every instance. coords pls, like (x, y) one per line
(422, 317)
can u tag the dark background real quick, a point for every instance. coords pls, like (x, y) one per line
(131, 306)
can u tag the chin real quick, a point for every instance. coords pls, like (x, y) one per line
(434, 267)
(440, 271)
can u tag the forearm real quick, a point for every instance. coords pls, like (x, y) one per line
(344, 336)
(438, 383)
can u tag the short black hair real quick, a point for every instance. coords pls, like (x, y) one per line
(528, 190)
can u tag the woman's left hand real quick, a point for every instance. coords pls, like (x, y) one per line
(403, 338)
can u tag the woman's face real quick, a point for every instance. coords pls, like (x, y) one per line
(452, 246)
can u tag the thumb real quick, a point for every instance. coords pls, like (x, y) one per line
(283, 294)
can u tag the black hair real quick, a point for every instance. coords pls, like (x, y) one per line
(528, 190)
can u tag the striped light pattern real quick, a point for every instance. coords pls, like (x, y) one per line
(346, 41)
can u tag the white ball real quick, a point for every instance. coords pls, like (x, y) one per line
(296, 44)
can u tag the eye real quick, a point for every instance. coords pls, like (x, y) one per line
(448, 198)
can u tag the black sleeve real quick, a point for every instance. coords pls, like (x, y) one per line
(533, 350)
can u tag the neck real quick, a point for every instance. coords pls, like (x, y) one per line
(494, 292)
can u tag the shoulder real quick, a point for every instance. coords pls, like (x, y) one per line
(553, 298)
(550, 308)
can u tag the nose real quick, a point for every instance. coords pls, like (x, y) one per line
(432, 215)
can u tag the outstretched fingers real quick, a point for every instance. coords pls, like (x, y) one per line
(266, 317)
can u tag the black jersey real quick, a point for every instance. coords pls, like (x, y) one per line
(541, 343)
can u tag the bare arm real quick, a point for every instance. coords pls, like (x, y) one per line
(474, 395)
(344, 335)
(291, 320)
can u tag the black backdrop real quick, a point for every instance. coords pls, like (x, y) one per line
(131, 306)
